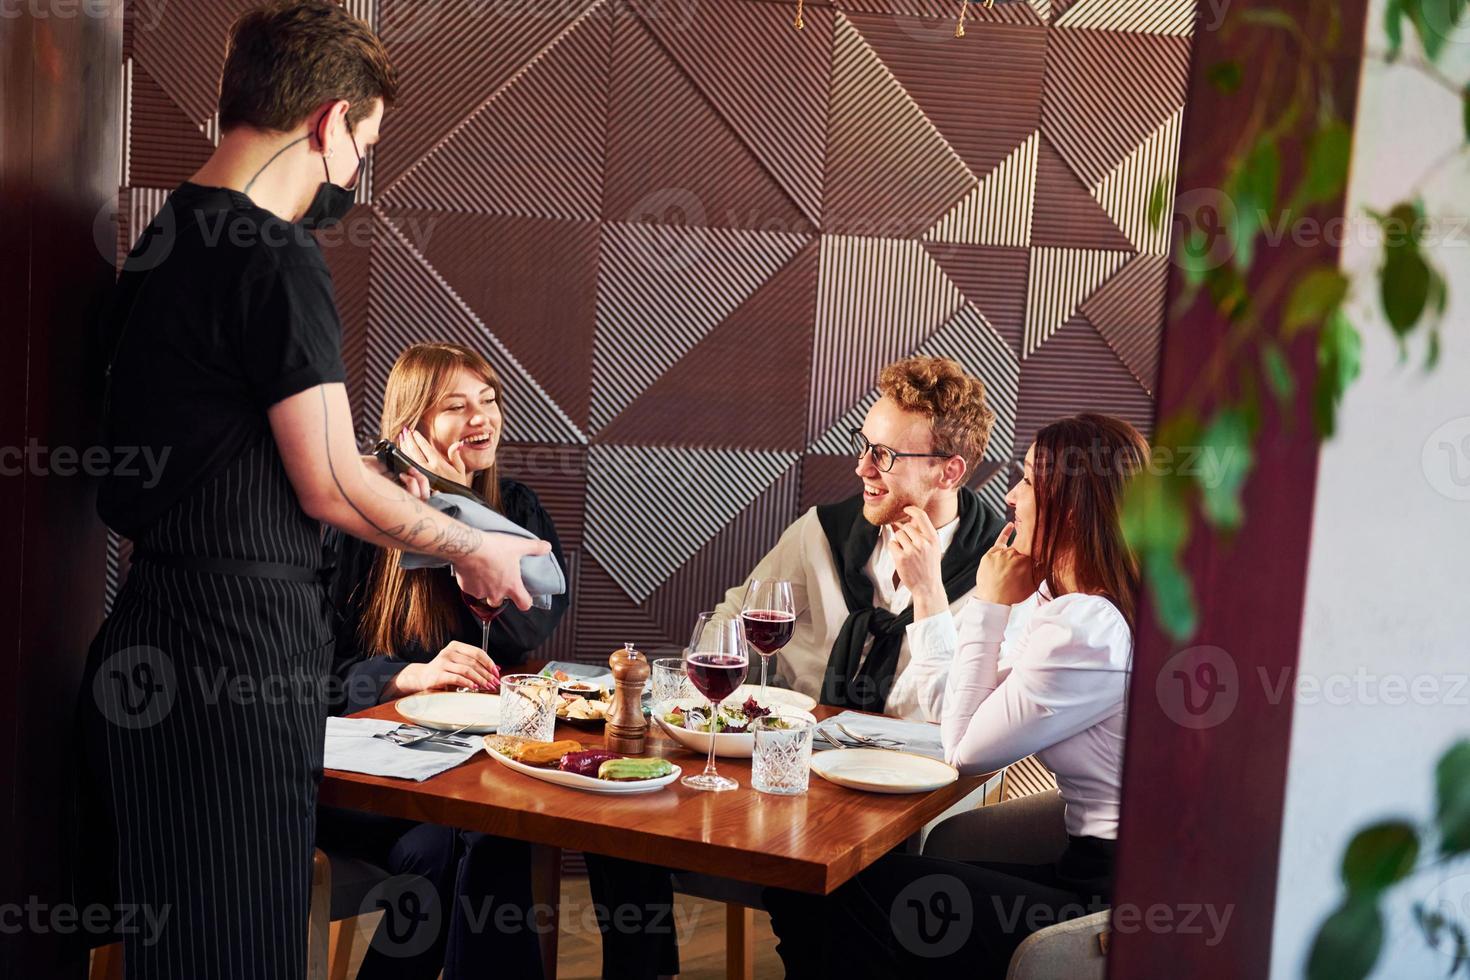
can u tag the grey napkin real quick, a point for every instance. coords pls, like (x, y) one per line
(352, 748)
(919, 737)
(541, 573)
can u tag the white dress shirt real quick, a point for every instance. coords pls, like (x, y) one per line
(804, 558)
(1060, 696)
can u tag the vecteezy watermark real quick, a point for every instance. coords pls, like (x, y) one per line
(236, 229)
(34, 459)
(933, 916)
(136, 687)
(412, 915)
(1160, 918)
(63, 918)
(1198, 687)
(1446, 459)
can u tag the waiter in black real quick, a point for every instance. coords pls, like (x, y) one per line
(205, 700)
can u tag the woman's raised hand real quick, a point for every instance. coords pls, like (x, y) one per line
(449, 464)
(1005, 576)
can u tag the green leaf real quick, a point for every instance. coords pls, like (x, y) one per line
(1393, 26)
(1172, 595)
(1226, 76)
(1315, 296)
(1226, 462)
(1253, 186)
(1452, 793)
(1339, 359)
(1157, 199)
(1431, 356)
(1404, 285)
(1465, 99)
(1435, 21)
(1327, 165)
(1155, 520)
(1347, 943)
(1279, 377)
(1380, 855)
(1228, 291)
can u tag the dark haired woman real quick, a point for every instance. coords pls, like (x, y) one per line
(1060, 695)
(402, 632)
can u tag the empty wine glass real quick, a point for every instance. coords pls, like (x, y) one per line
(716, 660)
(769, 615)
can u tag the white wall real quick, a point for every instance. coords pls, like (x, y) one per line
(1388, 587)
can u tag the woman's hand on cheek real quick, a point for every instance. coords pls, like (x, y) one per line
(1005, 576)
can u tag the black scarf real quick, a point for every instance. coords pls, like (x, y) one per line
(863, 684)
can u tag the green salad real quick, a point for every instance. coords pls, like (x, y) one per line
(728, 720)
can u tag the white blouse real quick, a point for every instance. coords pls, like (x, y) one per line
(1059, 695)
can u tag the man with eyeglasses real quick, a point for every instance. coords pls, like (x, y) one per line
(872, 575)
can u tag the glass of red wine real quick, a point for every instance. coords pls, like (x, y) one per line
(770, 618)
(486, 614)
(715, 660)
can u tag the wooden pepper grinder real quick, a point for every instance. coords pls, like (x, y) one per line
(627, 729)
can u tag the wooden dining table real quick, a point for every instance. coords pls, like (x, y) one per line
(810, 843)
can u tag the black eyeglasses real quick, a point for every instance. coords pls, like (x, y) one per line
(883, 456)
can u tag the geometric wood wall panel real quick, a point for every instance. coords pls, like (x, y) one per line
(454, 57)
(998, 211)
(690, 494)
(1128, 311)
(1076, 371)
(889, 170)
(688, 237)
(535, 148)
(768, 82)
(880, 297)
(667, 144)
(767, 341)
(1107, 91)
(495, 264)
(663, 288)
(1060, 279)
(1152, 16)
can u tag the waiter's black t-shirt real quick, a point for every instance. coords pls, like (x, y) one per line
(222, 310)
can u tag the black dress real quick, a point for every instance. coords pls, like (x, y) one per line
(474, 912)
(203, 703)
(361, 673)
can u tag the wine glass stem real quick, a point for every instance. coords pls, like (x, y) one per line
(765, 660)
(485, 637)
(709, 764)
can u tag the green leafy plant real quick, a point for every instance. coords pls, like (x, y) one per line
(1218, 250)
(1383, 856)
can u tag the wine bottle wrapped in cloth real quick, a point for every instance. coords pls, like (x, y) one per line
(542, 574)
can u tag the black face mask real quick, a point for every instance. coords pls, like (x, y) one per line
(332, 202)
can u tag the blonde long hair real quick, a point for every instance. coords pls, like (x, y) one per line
(418, 606)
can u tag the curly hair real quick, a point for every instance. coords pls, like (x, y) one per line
(953, 402)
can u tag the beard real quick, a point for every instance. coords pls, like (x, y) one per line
(889, 510)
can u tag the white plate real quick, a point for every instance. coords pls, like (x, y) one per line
(739, 745)
(882, 770)
(589, 783)
(451, 710)
(774, 695)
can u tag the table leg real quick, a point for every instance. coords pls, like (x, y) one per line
(739, 942)
(546, 890)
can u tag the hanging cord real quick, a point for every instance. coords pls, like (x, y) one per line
(798, 23)
(959, 27)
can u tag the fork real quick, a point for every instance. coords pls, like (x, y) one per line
(445, 737)
(866, 741)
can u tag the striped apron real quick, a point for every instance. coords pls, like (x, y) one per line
(204, 727)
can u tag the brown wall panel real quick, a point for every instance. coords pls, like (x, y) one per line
(686, 233)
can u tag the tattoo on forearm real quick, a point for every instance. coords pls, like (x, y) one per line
(453, 541)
